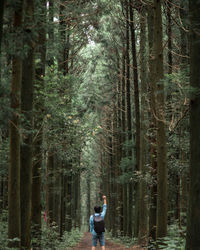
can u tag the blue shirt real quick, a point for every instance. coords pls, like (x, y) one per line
(92, 219)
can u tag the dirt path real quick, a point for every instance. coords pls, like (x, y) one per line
(85, 244)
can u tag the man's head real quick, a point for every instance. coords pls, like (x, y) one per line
(97, 209)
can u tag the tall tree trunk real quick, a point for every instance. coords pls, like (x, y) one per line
(38, 126)
(88, 197)
(161, 223)
(143, 213)
(137, 113)
(153, 151)
(193, 225)
(27, 126)
(62, 204)
(169, 33)
(50, 187)
(129, 122)
(123, 126)
(14, 225)
(68, 198)
(119, 148)
(51, 41)
(184, 66)
(115, 169)
(57, 189)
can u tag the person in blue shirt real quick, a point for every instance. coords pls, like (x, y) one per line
(96, 237)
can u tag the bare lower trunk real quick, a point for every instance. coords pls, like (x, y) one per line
(27, 124)
(143, 213)
(14, 222)
(162, 209)
(38, 126)
(193, 223)
(137, 114)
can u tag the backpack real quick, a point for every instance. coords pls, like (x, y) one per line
(99, 225)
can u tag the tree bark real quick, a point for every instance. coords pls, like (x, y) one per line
(162, 209)
(143, 213)
(27, 126)
(193, 224)
(129, 122)
(14, 225)
(123, 126)
(152, 139)
(57, 189)
(137, 113)
(50, 187)
(38, 126)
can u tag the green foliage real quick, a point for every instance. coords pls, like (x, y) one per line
(4, 149)
(70, 239)
(4, 229)
(5, 110)
(50, 238)
(175, 239)
(123, 240)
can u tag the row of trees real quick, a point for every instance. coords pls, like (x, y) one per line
(40, 43)
(133, 151)
(143, 148)
(99, 91)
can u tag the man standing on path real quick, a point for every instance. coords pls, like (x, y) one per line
(97, 225)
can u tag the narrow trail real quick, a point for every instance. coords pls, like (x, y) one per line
(85, 244)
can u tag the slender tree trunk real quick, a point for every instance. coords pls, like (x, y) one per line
(69, 199)
(123, 125)
(119, 148)
(51, 41)
(62, 207)
(115, 169)
(193, 224)
(162, 209)
(5, 192)
(38, 125)
(50, 187)
(184, 66)
(137, 113)
(27, 125)
(57, 190)
(14, 225)
(143, 213)
(88, 198)
(153, 151)
(129, 122)
(169, 33)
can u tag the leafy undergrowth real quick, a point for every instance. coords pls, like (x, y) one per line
(70, 239)
(50, 238)
(175, 239)
(4, 229)
(123, 240)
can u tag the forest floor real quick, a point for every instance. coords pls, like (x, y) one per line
(85, 244)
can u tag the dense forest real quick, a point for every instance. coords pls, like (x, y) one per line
(99, 97)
